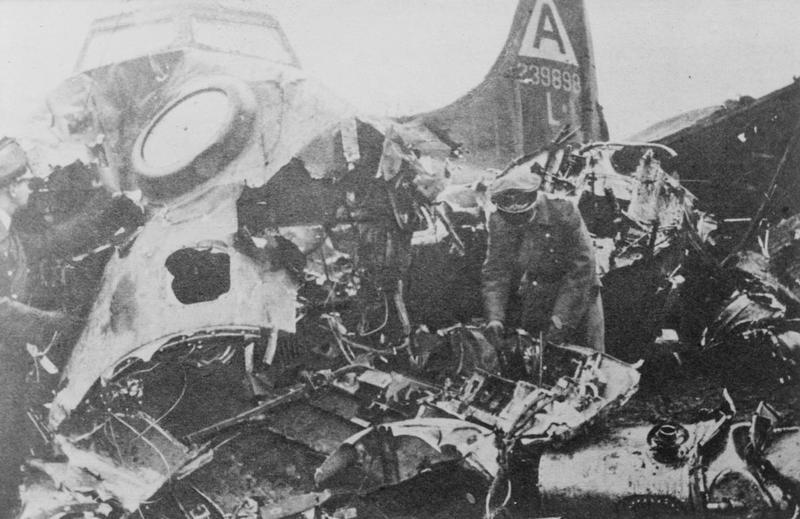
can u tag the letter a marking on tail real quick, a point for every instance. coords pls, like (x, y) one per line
(546, 35)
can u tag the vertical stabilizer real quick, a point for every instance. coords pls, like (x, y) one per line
(543, 80)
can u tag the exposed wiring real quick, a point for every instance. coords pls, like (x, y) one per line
(172, 407)
(113, 438)
(145, 440)
(345, 344)
(90, 433)
(141, 371)
(380, 326)
(332, 325)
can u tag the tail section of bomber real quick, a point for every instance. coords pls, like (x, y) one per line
(543, 81)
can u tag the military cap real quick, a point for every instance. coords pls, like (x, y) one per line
(515, 190)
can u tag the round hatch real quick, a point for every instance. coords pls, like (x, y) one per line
(199, 132)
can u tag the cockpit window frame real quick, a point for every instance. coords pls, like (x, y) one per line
(182, 16)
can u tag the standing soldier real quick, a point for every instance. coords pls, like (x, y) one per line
(19, 323)
(22, 321)
(539, 248)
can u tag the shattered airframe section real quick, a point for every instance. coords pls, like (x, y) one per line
(254, 350)
(485, 404)
(137, 310)
(753, 311)
(257, 321)
(378, 423)
(625, 195)
(740, 159)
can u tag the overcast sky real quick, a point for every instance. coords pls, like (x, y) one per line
(655, 58)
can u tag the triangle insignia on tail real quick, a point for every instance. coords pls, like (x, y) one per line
(546, 35)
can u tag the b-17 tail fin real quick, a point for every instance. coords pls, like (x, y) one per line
(543, 81)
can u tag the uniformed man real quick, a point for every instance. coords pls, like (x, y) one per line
(539, 249)
(20, 324)
(28, 241)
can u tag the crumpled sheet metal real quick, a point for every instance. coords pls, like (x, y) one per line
(657, 196)
(601, 175)
(291, 109)
(391, 453)
(411, 446)
(292, 113)
(334, 151)
(759, 300)
(653, 194)
(328, 259)
(617, 382)
(137, 307)
(295, 118)
(744, 310)
(50, 488)
(145, 458)
(88, 478)
(394, 452)
(598, 385)
(130, 485)
(337, 150)
(758, 312)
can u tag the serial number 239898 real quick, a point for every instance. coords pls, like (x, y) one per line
(545, 76)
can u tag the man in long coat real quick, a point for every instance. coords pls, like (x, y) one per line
(540, 250)
(20, 322)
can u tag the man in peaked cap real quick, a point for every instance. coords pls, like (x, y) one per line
(539, 249)
(19, 323)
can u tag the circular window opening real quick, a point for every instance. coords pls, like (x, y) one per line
(186, 130)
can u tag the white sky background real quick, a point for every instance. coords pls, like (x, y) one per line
(655, 58)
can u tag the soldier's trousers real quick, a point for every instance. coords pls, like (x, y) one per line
(12, 424)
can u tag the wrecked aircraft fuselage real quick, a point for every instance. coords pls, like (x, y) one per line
(209, 280)
(253, 351)
(241, 334)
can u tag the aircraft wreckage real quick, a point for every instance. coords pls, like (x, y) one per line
(291, 327)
